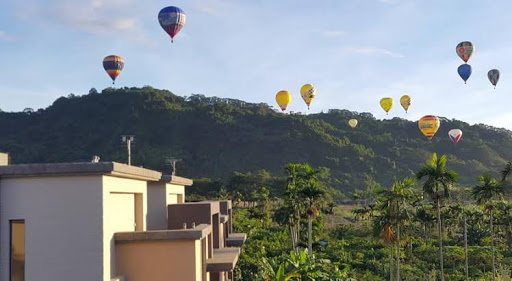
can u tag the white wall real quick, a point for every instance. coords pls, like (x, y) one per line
(63, 226)
(119, 185)
(159, 196)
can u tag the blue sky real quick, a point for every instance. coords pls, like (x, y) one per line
(354, 51)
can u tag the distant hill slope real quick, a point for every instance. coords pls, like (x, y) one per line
(217, 136)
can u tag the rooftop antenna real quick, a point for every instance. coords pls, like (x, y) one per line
(128, 139)
(173, 161)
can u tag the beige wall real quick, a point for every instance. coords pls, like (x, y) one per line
(112, 187)
(179, 260)
(159, 196)
(63, 226)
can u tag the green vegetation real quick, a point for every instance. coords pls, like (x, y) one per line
(436, 221)
(391, 237)
(217, 136)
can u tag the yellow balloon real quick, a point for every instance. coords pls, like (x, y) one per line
(352, 123)
(429, 125)
(405, 101)
(283, 99)
(386, 104)
(308, 93)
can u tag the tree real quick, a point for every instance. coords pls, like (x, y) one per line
(507, 171)
(485, 195)
(395, 203)
(437, 186)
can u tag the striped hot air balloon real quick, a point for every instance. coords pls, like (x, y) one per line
(172, 19)
(429, 125)
(113, 65)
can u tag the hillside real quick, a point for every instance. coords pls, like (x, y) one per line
(217, 136)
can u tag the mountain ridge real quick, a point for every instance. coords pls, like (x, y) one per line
(216, 136)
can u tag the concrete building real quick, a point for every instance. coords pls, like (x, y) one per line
(105, 221)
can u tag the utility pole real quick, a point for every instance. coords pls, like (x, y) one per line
(128, 139)
(172, 161)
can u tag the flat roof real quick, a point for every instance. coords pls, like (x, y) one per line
(79, 169)
(176, 180)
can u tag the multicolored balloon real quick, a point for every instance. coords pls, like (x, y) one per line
(465, 72)
(308, 93)
(494, 76)
(405, 101)
(386, 104)
(172, 19)
(429, 125)
(465, 50)
(455, 135)
(283, 99)
(352, 123)
(113, 65)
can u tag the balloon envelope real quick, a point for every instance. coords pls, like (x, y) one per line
(464, 72)
(113, 65)
(465, 50)
(386, 104)
(405, 101)
(352, 123)
(283, 99)
(429, 125)
(494, 76)
(455, 135)
(172, 19)
(308, 93)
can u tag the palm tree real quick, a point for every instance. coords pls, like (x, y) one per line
(485, 195)
(437, 186)
(394, 203)
(459, 214)
(312, 194)
(507, 171)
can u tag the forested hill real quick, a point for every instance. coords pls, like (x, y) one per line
(216, 137)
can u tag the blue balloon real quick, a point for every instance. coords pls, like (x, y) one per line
(464, 72)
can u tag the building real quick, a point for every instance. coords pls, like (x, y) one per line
(109, 221)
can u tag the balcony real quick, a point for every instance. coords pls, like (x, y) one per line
(163, 255)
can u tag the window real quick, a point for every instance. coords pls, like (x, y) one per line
(17, 258)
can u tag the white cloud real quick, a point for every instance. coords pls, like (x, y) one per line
(333, 33)
(370, 51)
(390, 1)
(5, 37)
(214, 8)
(94, 16)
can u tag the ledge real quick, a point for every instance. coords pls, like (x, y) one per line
(196, 233)
(79, 169)
(236, 239)
(223, 260)
(176, 180)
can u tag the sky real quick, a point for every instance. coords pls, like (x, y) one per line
(353, 51)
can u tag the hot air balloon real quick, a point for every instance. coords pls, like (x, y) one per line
(494, 76)
(172, 19)
(455, 135)
(405, 101)
(113, 65)
(464, 72)
(465, 50)
(308, 93)
(429, 125)
(283, 99)
(352, 123)
(386, 104)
